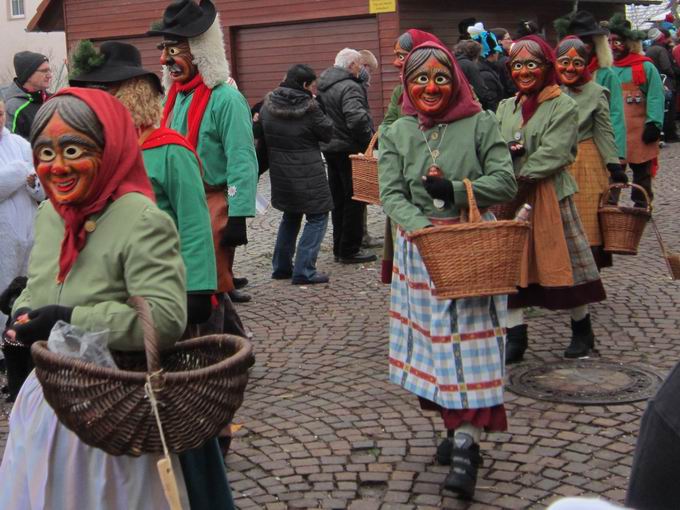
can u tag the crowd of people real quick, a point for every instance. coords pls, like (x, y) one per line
(142, 186)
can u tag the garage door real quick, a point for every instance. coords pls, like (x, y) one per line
(264, 54)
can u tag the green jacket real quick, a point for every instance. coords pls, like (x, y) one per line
(550, 139)
(394, 108)
(134, 251)
(652, 89)
(594, 121)
(470, 148)
(225, 145)
(176, 180)
(607, 77)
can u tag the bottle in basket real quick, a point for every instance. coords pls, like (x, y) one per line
(435, 171)
(524, 214)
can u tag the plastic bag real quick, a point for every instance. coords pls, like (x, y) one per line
(71, 341)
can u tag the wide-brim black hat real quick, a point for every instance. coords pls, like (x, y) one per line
(122, 62)
(583, 23)
(185, 18)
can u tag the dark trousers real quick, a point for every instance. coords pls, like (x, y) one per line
(670, 132)
(348, 214)
(642, 176)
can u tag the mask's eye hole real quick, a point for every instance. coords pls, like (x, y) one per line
(72, 152)
(46, 154)
(421, 79)
(173, 51)
(563, 62)
(441, 79)
(532, 65)
(401, 57)
(516, 66)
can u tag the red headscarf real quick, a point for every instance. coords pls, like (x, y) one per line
(462, 102)
(420, 37)
(530, 101)
(121, 172)
(586, 76)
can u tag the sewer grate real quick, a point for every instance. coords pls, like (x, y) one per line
(584, 382)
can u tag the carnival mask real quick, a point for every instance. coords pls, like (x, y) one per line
(528, 72)
(431, 87)
(67, 162)
(570, 67)
(177, 57)
(618, 46)
(400, 55)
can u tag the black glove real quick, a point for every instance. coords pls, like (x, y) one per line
(199, 308)
(517, 150)
(617, 173)
(11, 293)
(438, 187)
(234, 234)
(651, 133)
(40, 323)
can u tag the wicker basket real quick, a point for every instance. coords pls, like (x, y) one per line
(365, 175)
(199, 384)
(622, 227)
(508, 210)
(473, 259)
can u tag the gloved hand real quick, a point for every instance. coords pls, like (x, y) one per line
(517, 150)
(199, 308)
(439, 187)
(40, 323)
(651, 133)
(11, 293)
(617, 173)
(235, 233)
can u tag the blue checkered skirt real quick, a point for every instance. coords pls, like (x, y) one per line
(450, 352)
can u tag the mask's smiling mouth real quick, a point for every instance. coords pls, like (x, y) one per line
(66, 185)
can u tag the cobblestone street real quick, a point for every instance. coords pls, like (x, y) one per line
(323, 428)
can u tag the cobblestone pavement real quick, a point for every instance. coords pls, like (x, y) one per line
(323, 427)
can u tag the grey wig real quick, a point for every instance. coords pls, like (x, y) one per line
(74, 112)
(405, 41)
(568, 44)
(421, 55)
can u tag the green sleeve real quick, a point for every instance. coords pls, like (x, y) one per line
(153, 269)
(394, 108)
(498, 184)
(235, 126)
(608, 79)
(394, 193)
(557, 148)
(603, 133)
(186, 195)
(653, 90)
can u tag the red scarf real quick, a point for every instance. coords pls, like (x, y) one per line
(462, 102)
(636, 62)
(121, 172)
(594, 65)
(199, 102)
(166, 136)
(530, 102)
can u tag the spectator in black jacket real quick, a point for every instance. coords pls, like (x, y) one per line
(505, 40)
(28, 91)
(344, 98)
(293, 124)
(491, 51)
(467, 53)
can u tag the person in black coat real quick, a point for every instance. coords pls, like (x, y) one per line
(467, 54)
(491, 52)
(293, 124)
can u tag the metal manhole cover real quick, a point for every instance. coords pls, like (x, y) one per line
(584, 382)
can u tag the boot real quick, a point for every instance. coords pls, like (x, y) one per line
(517, 343)
(445, 449)
(582, 339)
(465, 461)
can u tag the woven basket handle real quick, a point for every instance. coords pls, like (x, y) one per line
(153, 358)
(605, 196)
(473, 210)
(371, 144)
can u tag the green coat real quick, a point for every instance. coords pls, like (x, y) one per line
(176, 180)
(607, 77)
(225, 145)
(134, 251)
(652, 89)
(470, 148)
(594, 121)
(550, 139)
(394, 108)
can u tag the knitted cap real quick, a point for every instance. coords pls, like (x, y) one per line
(26, 63)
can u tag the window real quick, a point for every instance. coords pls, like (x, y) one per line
(17, 9)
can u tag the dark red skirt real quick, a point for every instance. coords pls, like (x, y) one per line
(491, 419)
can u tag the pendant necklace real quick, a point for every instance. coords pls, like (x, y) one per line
(435, 170)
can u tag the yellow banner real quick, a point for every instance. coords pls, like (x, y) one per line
(378, 6)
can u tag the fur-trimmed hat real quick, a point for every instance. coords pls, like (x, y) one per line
(619, 25)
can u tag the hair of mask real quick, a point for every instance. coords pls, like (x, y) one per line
(422, 55)
(576, 44)
(532, 47)
(74, 112)
(405, 41)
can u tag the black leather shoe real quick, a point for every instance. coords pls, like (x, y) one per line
(282, 276)
(465, 461)
(444, 452)
(517, 344)
(239, 283)
(317, 278)
(582, 339)
(237, 296)
(359, 257)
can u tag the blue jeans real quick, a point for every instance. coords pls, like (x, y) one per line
(307, 248)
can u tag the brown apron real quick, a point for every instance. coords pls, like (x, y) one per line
(635, 109)
(219, 216)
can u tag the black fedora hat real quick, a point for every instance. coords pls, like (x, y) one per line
(122, 62)
(185, 18)
(583, 23)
